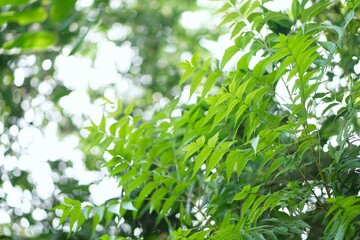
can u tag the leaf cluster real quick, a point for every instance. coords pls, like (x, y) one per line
(255, 160)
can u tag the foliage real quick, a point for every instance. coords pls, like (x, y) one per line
(34, 32)
(272, 154)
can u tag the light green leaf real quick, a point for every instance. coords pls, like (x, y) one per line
(191, 148)
(221, 98)
(230, 161)
(243, 194)
(215, 159)
(240, 112)
(102, 124)
(147, 189)
(275, 166)
(238, 27)
(255, 142)
(128, 206)
(65, 214)
(224, 7)
(32, 41)
(220, 115)
(196, 80)
(139, 180)
(241, 90)
(261, 66)
(228, 54)
(231, 106)
(245, 7)
(201, 158)
(187, 74)
(213, 140)
(313, 10)
(195, 59)
(312, 28)
(24, 17)
(229, 17)
(210, 82)
(242, 160)
(128, 110)
(13, 2)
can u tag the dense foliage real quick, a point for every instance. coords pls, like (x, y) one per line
(269, 149)
(270, 153)
(38, 39)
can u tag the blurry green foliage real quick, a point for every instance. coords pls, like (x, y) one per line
(271, 154)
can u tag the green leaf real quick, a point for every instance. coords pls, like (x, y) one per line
(241, 163)
(194, 146)
(201, 158)
(255, 142)
(65, 214)
(245, 7)
(276, 16)
(213, 140)
(196, 80)
(275, 166)
(128, 206)
(231, 106)
(100, 211)
(96, 221)
(102, 124)
(78, 43)
(24, 17)
(313, 28)
(128, 110)
(229, 18)
(210, 82)
(224, 7)
(220, 115)
(261, 66)
(139, 180)
(147, 189)
(243, 194)
(250, 198)
(119, 168)
(296, 9)
(187, 74)
(313, 10)
(104, 237)
(228, 54)
(195, 59)
(156, 198)
(32, 41)
(14, 2)
(167, 205)
(238, 27)
(216, 157)
(77, 217)
(230, 161)
(240, 112)
(61, 9)
(244, 61)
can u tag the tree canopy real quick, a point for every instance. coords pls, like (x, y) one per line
(267, 148)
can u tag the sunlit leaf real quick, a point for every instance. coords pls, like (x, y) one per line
(229, 53)
(61, 9)
(32, 41)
